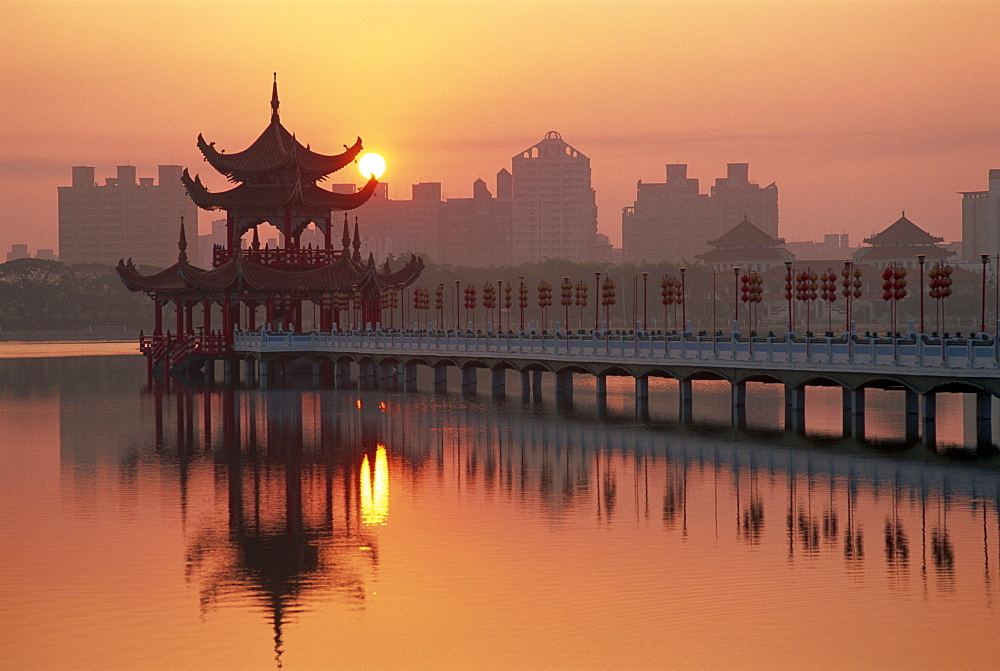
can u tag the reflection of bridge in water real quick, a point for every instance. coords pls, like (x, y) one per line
(306, 459)
(919, 366)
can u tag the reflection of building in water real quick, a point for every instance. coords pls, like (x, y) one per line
(300, 498)
(309, 475)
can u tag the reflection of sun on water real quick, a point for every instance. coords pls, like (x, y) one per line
(375, 490)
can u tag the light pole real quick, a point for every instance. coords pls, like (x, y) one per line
(788, 293)
(520, 300)
(597, 304)
(982, 321)
(645, 279)
(921, 259)
(736, 296)
(458, 314)
(683, 302)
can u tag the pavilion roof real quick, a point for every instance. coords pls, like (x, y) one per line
(299, 193)
(276, 151)
(242, 275)
(902, 232)
(725, 254)
(746, 235)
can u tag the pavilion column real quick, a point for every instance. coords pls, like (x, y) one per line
(269, 312)
(251, 315)
(158, 315)
(179, 309)
(206, 313)
(189, 317)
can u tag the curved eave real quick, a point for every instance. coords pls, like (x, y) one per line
(276, 151)
(170, 279)
(263, 196)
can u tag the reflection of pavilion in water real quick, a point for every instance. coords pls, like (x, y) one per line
(301, 498)
(906, 518)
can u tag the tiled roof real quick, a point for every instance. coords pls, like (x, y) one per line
(745, 235)
(902, 232)
(267, 196)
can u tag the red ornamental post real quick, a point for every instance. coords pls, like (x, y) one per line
(522, 299)
(645, 280)
(683, 300)
(921, 259)
(597, 305)
(736, 297)
(581, 299)
(828, 286)
(608, 299)
(982, 321)
(789, 294)
(439, 304)
(566, 299)
(667, 293)
(458, 315)
(508, 291)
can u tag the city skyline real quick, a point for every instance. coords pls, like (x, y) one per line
(856, 111)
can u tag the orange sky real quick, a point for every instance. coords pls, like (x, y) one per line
(856, 110)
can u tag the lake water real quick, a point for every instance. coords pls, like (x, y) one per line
(192, 528)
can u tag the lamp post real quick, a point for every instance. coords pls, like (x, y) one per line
(736, 296)
(683, 302)
(921, 259)
(597, 304)
(982, 321)
(522, 294)
(458, 316)
(645, 280)
(788, 293)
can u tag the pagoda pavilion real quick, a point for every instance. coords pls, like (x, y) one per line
(900, 245)
(276, 183)
(746, 246)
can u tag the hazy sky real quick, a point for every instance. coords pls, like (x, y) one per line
(856, 110)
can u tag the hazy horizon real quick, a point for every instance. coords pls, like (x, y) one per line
(856, 110)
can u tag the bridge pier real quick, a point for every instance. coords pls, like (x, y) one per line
(441, 379)
(739, 398)
(342, 374)
(912, 405)
(209, 371)
(601, 388)
(250, 371)
(858, 413)
(795, 409)
(564, 388)
(317, 373)
(499, 382)
(266, 374)
(930, 419)
(230, 372)
(536, 386)
(410, 376)
(525, 386)
(686, 401)
(469, 381)
(642, 397)
(984, 427)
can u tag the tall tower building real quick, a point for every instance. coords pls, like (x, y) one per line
(981, 221)
(124, 217)
(554, 210)
(673, 220)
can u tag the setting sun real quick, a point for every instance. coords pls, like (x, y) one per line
(371, 165)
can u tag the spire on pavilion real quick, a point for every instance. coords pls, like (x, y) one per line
(274, 100)
(182, 245)
(357, 242)
(346, 240)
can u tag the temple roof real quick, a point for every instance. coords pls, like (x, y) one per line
(932, 252)
(242, 275)
(276, 151)
(902, 232)
(746, 235)
(263, 196)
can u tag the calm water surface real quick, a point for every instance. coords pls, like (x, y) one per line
(192, 528)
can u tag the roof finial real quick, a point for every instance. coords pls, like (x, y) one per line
(274, 99)
(357, 242)
(255, 244)
(182, 245)
(347, 236)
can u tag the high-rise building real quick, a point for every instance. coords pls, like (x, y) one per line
(674, 221)
(476, 231)
(554, 207)
(981, 221)
(124, 217)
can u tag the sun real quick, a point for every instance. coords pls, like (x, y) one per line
(371, 165)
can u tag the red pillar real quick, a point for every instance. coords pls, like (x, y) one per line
(251, 315)
(189, 317)
(179, 309)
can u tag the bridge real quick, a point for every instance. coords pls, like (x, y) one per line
(916, 364)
